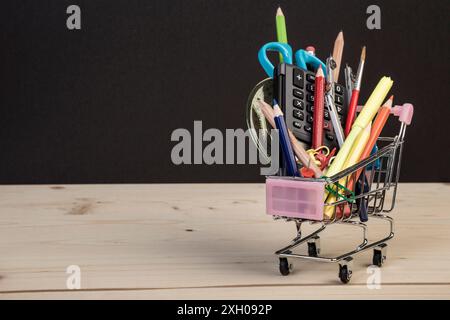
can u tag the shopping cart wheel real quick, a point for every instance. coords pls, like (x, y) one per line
(285, 268)
(379, 255)
(314, 246)
(345, 271)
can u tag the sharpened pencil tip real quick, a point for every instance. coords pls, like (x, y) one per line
(277, 110)
(279, 12)
(389, 102)
(319, 72)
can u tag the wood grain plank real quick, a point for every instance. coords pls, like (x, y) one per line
(170, 237)
(339, 292)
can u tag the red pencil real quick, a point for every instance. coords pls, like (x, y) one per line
(319, 91)
(355, 94)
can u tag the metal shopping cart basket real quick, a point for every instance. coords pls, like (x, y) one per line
(375, 182)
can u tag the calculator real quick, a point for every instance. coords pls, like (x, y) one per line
(294, 92)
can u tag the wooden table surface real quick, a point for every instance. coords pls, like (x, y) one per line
(204, 241)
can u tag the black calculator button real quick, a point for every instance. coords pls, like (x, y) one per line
(329, 137)
(310, 119)
(310, 97)
(310, 87)
(298, 78)
(339, 99)
(310, 77)
(297, 125)
(310, 108)
(326, 115)
(298, 114)
(299, 104)
(327, 125)
(339, 109)
(338, 88)
(308, 128)
(298, 93)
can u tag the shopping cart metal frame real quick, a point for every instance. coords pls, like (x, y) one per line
(384, 178)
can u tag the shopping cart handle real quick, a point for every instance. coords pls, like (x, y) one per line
(404, 112)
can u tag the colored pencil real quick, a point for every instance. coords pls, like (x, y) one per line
(319, 91)
(281, 28)
(285, 143)
(377, 126)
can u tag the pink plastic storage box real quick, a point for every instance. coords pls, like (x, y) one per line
(295, 198)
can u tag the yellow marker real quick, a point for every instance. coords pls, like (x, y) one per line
(365, 117)
(353, 158)
(358, 147)
(367, 114)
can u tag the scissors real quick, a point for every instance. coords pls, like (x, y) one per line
(302, 57)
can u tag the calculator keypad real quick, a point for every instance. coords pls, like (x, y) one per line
(298, 78)
(296, 87)
(298, 93)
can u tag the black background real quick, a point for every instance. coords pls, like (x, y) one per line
(98, 105)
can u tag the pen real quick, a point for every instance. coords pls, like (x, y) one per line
(355, 94)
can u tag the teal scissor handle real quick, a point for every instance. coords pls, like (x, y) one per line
(302, 58)
(283, 48)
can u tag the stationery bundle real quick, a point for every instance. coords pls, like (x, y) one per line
(334, 165)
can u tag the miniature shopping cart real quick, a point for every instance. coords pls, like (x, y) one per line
(302, 201)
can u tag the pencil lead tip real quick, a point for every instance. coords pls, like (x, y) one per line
(319, 72)
(388, 103)
(279, 11)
